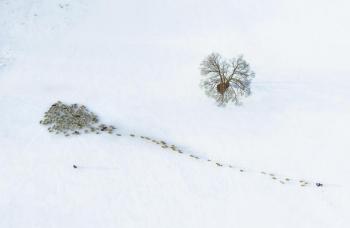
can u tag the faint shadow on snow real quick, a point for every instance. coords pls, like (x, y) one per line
(5, 60)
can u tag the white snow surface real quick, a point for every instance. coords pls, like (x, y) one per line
(136, 65)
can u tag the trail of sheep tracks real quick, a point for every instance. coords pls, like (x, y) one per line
(176, 149)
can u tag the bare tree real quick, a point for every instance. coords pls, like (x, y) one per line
(226, 80)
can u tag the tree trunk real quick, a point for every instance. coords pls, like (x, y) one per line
(222, 87)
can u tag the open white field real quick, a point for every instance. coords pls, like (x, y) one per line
(136, 65)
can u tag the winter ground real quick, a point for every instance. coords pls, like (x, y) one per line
(135, 64)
